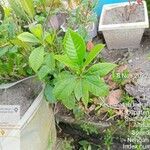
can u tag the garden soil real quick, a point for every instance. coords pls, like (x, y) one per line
(22, 94)
(124, 15)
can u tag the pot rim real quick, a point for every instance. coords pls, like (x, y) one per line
(134, 25)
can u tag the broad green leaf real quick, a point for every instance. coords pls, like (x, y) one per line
(75, 47)
(85, 97)
(66, 61)
(16, 6)
(37, 31)
(36, 58)
(78, 91)
(48, 92)
(20, 43)
(81, 91)
(49, 61)
(101, 69)
(28, 6)
(64, 87)
(28, 37)
(96, 85)
(69, 102)
(43, 72)
(49, 38)
(94, 52)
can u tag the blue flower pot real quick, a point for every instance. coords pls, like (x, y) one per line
(100, 4)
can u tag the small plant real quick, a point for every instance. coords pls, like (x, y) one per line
(44, 45)
(13, 53)
(81, 18)
(67, 144)
(79, 79)
(85, 145)
(127, 99)
(120, 78)
(24, 9)
(89, 128)
(108, 139)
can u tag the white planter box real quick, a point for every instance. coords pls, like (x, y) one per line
(36, 129)
(125, 35)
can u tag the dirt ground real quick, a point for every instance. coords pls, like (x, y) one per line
(138, 61)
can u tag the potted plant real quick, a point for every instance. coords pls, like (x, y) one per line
(123, 24)
(19, 87)
(80, 79)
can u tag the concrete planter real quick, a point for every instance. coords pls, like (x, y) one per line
(36, 129)
(125, 35)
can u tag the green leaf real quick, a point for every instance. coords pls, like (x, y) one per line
(49, 61)
(36, 58)
(94, 52)
(48, 92)
(96, 85)
(75, 47)
(3, 51)
(49, 38)
(66, 61)
(85, 97)
(28, 6)
(65, 86)
(28, 37)
(69, 102)
(43, 72)
(81, 91)
(78, 91)
(37, 31)
(101, 69)
(16, 6)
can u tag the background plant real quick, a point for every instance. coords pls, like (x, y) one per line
(81, 17)
(13, 53)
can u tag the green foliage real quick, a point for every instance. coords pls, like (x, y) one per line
(148, 6)
(78, 113)
(108, 139)
(127, 99)
(89, 128)
(120, 78)
(80, 17)
(13, 64)
(49, 93)
(82, 79)
(85, 145)
(41, 58)
(13, 53)
(17, 8)
(28, 37)
(28, 6)
(67, 145)
(2, 13)
(36, 58)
